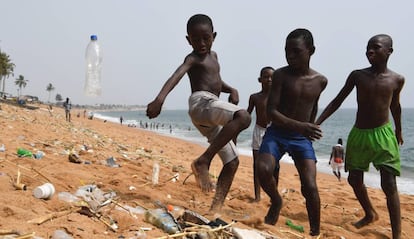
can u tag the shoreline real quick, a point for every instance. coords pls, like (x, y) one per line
(372, 178)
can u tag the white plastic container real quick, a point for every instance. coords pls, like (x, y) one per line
(44, 191)
(155, 173)
(93, 57)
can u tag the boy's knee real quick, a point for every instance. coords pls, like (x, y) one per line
(309, 188)
(263, 167)
(244, 118)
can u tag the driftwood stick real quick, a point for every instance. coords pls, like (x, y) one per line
(29, 235)
(195, 232)
(53, 215)
(8, 232)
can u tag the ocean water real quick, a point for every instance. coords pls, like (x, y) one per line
(177, 123)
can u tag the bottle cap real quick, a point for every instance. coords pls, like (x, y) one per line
(94, 37)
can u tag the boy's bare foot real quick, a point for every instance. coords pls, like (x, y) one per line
(201, 175)
(366, 220)
(273, 214)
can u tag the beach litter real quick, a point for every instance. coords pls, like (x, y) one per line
(74, 158)
(298, 228)
(24, 153)
(110, 162)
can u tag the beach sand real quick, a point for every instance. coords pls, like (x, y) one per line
(135, 151)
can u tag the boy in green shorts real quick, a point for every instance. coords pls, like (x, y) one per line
(372, 138)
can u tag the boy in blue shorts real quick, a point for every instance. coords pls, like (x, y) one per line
(372, 138)
(292, 106)
(217, 120)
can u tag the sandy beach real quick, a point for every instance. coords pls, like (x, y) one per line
(129, 174)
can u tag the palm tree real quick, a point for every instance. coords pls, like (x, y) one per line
(50, 88)
(6, 69)
(20, 82)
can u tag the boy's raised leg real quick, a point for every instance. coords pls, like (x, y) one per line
(200, 166)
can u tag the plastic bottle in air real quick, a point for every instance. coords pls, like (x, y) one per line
(93, 58)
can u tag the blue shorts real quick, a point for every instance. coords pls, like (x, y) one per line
(278, 141)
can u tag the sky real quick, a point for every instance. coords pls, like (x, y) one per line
(143, 43)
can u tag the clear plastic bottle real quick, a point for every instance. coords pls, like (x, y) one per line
(93, 58)
(161, 219)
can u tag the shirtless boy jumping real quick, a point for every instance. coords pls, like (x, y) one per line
(217, 120)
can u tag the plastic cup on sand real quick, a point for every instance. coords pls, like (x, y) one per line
(44, 191)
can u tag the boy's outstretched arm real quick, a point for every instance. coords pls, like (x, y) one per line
(154, 108)
(250, 107)
(337, 101)
(395, 108)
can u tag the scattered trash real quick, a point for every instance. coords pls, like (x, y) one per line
(160, 218)
(111, 162)
(39, 155)
(246, 234)
(155, 173)
(2, 148)
(44, 191)
(24, 153)
(298, 228)
(68, 197)
(61, 234)
(18, 185)
(74, 158)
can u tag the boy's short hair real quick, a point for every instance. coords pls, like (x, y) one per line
(199, 19)
(303, 33)
(265, 69)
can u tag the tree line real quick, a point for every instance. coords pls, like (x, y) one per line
(7, 70)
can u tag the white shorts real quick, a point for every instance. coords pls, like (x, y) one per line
(208, 115)
(258, 133)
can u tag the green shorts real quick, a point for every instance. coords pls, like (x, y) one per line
(378, 145)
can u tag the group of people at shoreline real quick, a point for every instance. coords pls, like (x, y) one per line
(287, 122)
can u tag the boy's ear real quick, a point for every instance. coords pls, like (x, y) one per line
(390, 50)
(312, 50)
(214, 35)
(259, 80)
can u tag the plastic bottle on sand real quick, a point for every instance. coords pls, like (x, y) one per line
(161, 219)
(93, 58)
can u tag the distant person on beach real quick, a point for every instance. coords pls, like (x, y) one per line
(67, 105)
(337, 159)
(121, 119)
(258, 101)
(372, 138)
(217, 120)
(292, 107)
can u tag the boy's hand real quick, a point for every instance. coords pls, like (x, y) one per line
(312, 131)
(399, 137)
(154, 109)
(234, 97)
